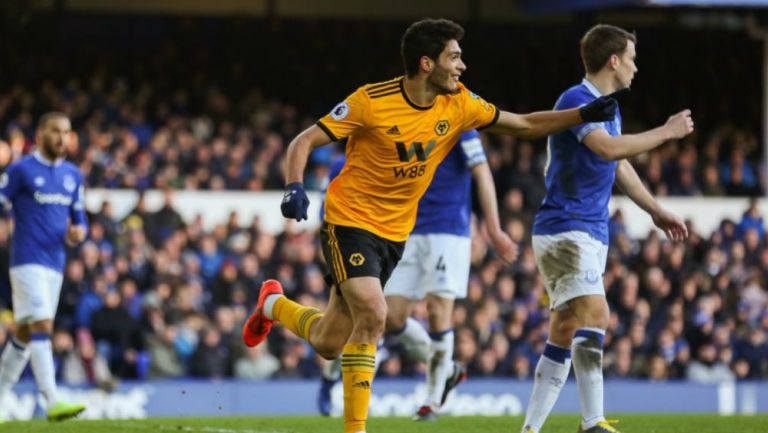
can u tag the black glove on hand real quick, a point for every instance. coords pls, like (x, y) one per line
(295, 202)
(602, 109)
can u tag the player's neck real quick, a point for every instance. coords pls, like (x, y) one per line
(604, 82)
(417, 90)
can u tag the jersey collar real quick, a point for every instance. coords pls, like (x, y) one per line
(591, 87)
(42, 160)
(408, 100)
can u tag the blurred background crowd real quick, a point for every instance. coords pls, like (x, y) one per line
(152, 296)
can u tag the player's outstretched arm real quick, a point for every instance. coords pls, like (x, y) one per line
(504, 245)
(543, 123)
(629, 182)
(295, 201)
(624, 146)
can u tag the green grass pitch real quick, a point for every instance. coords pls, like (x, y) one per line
(556, 424)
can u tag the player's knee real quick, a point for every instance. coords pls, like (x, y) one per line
(41, 327)
(563, 331)
(602, 320)
(598, 315)
(375, 324)
(439, 319)
(439, 310)
(23, 333)
(395, 322)
(371, 323)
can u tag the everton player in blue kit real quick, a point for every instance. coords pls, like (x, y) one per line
(570, 232)
(44, 194)
(435, 265)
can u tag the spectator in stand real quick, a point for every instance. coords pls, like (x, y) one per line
(707, 368)
(256, 363)
(85, 366)
(116, 334)
(752, 219)
(211, 359)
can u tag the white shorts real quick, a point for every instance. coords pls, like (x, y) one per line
(433, 263)
(572, 265)
(36, 291)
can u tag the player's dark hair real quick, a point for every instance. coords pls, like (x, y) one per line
(51, 115)
(600, 43)
(427, 38)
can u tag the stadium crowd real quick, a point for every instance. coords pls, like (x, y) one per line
(152, 296)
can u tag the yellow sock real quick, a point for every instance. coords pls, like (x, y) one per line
(294, 316)
(357, 369)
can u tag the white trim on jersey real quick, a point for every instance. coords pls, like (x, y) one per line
(591, 87)
(473, 149)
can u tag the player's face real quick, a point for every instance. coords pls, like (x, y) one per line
(53, 137)
(626, 69)
(447, 70)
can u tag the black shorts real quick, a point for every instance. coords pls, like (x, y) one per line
(351, 252)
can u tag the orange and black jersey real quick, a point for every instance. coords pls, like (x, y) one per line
(393, 149)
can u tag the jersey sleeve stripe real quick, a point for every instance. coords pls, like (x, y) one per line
(493, 121)
(381, 95)
(391, 87)
(384, 84)
(327, 131)
(586, 129)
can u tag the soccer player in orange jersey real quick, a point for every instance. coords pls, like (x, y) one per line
(397, 132)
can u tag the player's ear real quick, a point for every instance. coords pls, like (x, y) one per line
(614, 61)
(426, 64)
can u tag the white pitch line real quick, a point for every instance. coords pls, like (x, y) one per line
(204, 429)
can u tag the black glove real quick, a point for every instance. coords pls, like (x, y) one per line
(602, 109)
(295, 202)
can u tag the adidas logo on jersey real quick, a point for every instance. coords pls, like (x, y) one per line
(363, 384)
(393, 130)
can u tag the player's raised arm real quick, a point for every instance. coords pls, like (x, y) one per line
(624, 146)
(542, 123)
(629, 182)
(295, 201)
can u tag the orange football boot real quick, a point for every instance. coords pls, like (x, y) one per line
(257, 326)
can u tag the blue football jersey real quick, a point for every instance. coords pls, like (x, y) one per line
(336, 166)
(43, 197)
(446, 206)
(578, 181)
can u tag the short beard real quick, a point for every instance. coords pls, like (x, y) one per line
(52, 152)
(442, 90)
